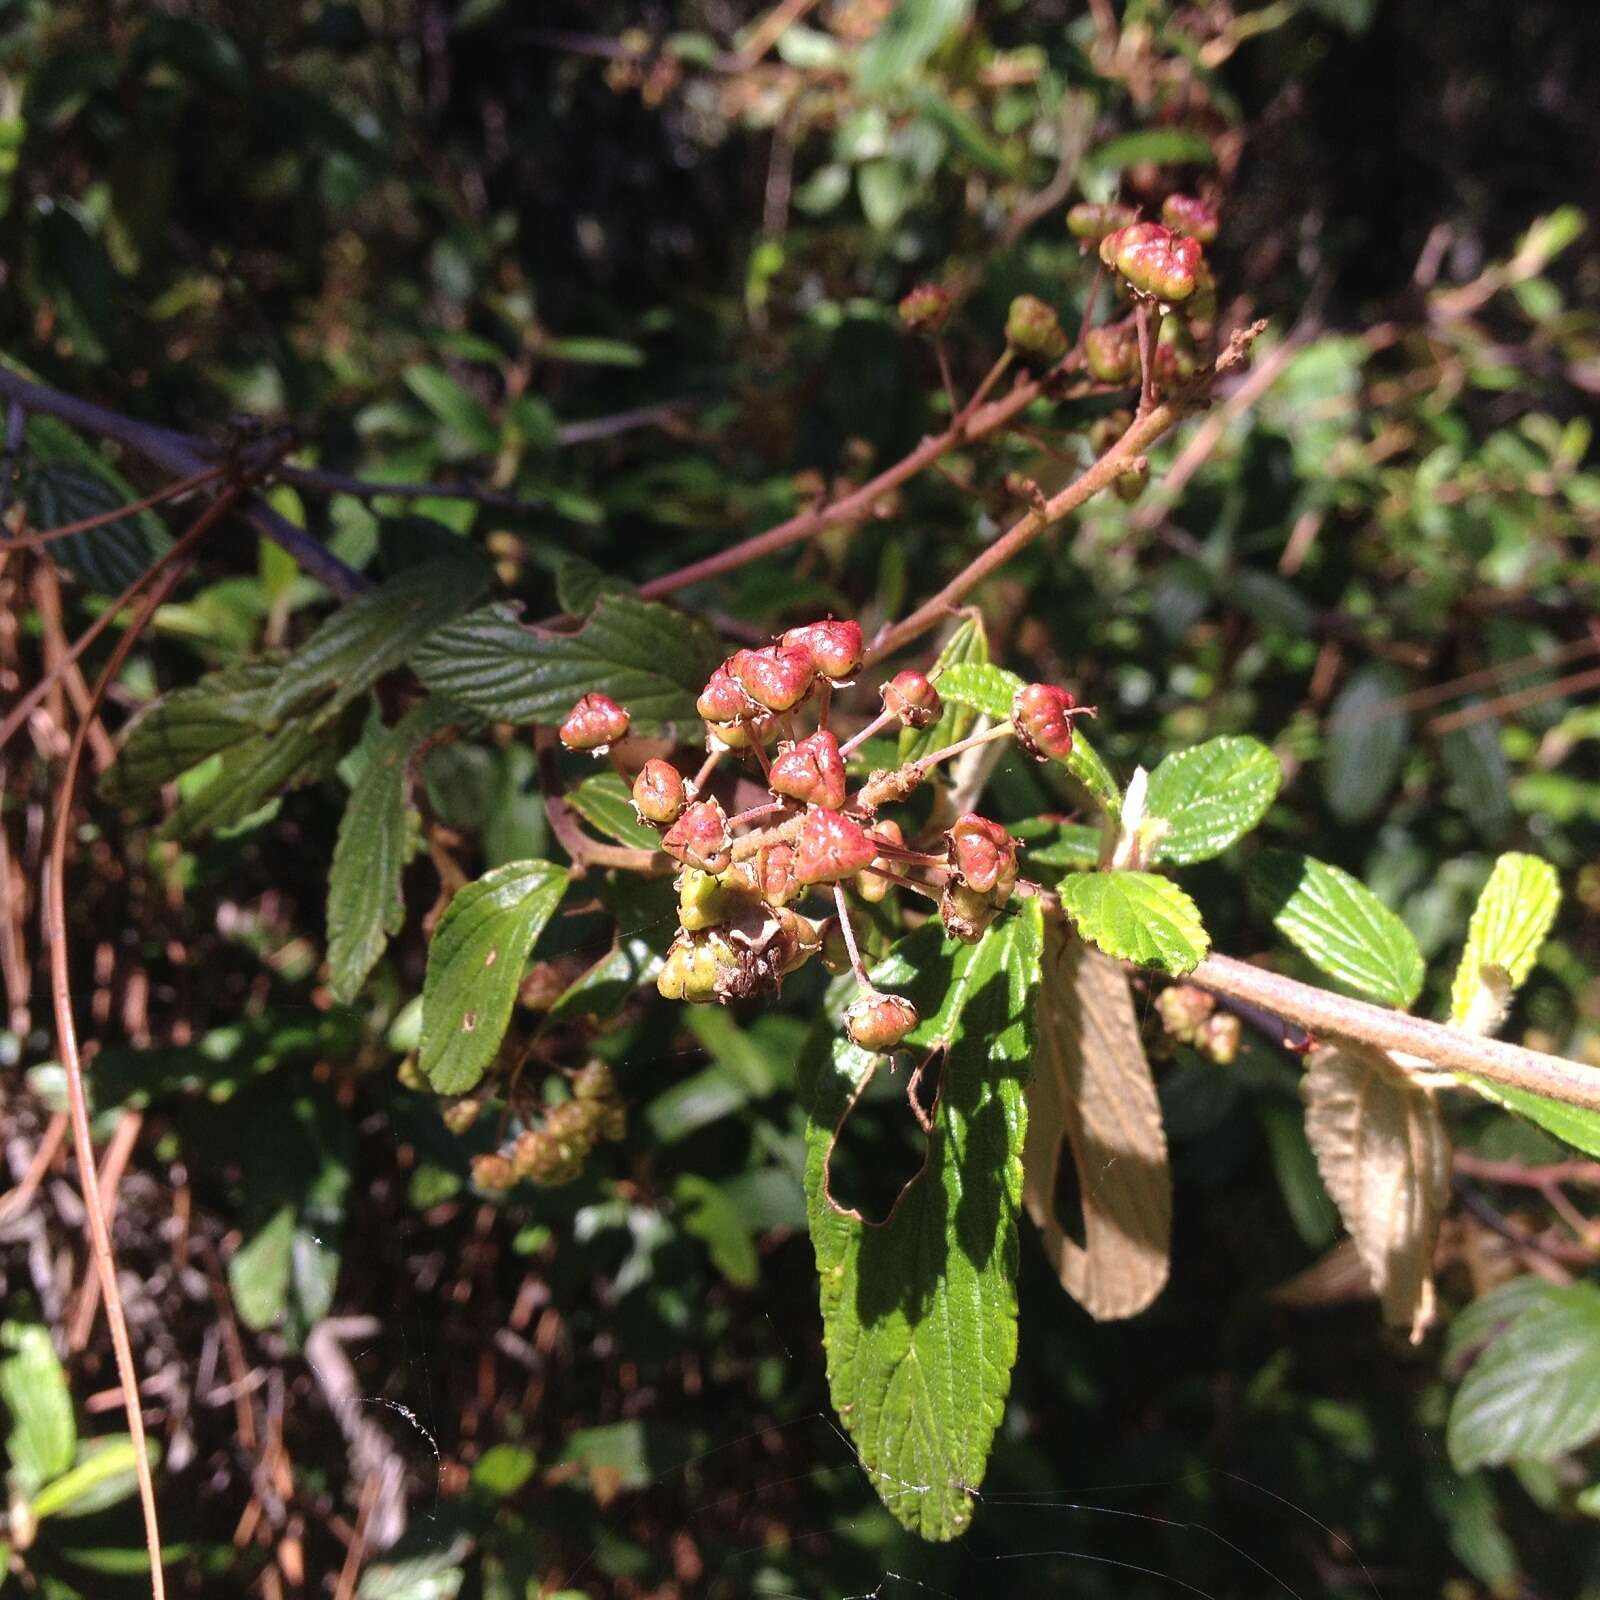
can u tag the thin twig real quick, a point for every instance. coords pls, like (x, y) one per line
(67, 1033)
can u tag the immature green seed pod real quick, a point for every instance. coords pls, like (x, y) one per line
(965, 913)
(871, 885)
(1112, 354)
(926, 309)
(1092, 220)
(1184, 213)
(1034, 330)
(594, 1081)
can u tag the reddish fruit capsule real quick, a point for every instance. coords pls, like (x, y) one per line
(983, 854)
(965, 913)
(880, 1021)
(812, 770)
(1033, 329)
(659, 793)
(871, 885)
(912, 698)
(926, 309)
(699, 838)
(722, 700)
(1092, 220)
(1183, 213)
(836, 647)
(775, 874)
(595, 723)
(1156, 261)
(1042, 716)
(832, 847)
(778, 677)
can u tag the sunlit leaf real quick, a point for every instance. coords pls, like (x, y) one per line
(1136, 916)
(40, 1432)
(1202, 799)
(1509, 924)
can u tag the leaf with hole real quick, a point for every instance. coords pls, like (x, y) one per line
(919, 1312)
(1340, 924)
(1093, 1102)
(1201, 800)
(1137, 916)
(475, 968)
(653, 660)
(1383, 1153)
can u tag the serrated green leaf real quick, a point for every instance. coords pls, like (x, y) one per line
(580, 583)
(1534, 1394)
(969, 644)
(990, 689)
(41, 1434)
(1477, 765)
(653, 660)
(1476, 1326)
(1576, 1125)
(1509, 924)
(258, 1271)
(1200, 800)
(375, 633)
(1137, 916)
(919, 1313)
(1367, 734)
(913, 31)
(107, 558)
(475, 968)
(178, 731)
(1340, 924)
(250, 774)
(1064, 845)
(603, 801)
(376, 838)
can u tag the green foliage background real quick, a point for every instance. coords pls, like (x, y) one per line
(443, 240)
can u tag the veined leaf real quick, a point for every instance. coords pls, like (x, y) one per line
(913, 31)
(1367, 734)
(105, 1473)
(711, 1217)
(178, 731)
(651, 659)
(1478, 1325)
(968, 645)
(1340, 924)
(1093, 1093)
(1384, 1155)
(1167, 147)
(461, 411)
(1577, 1125)
(1137, 916)
(1201, 800)
(41, 1434)
(603, 801)
(1534, 1394)
(376, 838)
(107, 558)
(919, 1312)
(1509, 924)
(1064, 845)
(475, 968)
(375, 633)
(293, 755)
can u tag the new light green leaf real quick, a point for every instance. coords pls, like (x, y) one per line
(1367, 734)
(1534, 1394)
(376, 837)
(1137, 916)
(1340, 924)
(375, 633)
(651, 659)
(475, 968)
(40, 1433)
(919, 1312)
(178, 731)
(1200, 800)
(1509, 924)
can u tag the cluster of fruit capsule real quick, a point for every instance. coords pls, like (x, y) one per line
(1157, 264)
(743, 877)
(552, 1152)
(1190, 1016)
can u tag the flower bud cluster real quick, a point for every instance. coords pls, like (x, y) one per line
(743, 879)
(1190, 1016)
(552, 1151)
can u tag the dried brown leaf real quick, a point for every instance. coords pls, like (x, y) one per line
(1384, 1155)
(1092, 1093)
